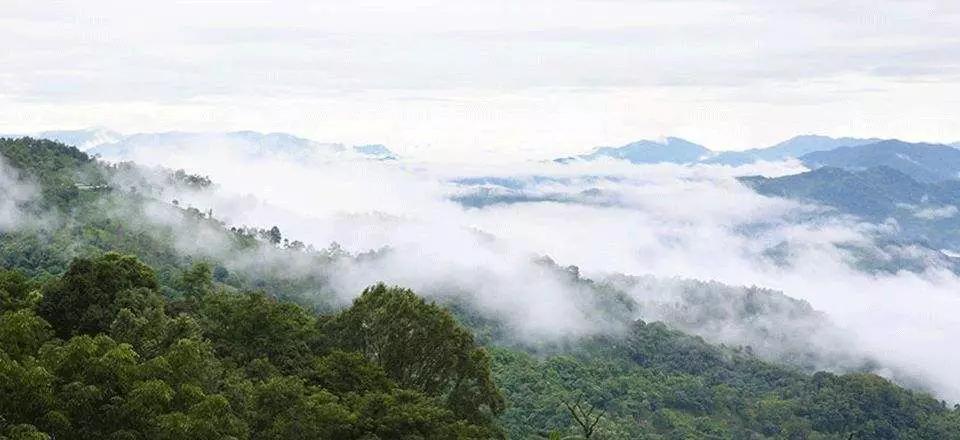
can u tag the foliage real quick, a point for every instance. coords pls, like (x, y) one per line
(657, 383)
(84, 299)
(421, 347)
(226, 365)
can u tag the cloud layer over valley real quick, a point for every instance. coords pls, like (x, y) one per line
(481, 229)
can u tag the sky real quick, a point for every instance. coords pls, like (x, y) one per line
(487, 80)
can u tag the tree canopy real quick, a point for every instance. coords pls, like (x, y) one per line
(103, 355)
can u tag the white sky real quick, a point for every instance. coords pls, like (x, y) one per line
(487, 80)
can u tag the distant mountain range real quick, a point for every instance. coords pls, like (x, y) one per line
(923, 162)
(83, 139)
(115, 146)
(791, 148)
(671, 149)
(676, 150)
(915, 184)
(928, 212)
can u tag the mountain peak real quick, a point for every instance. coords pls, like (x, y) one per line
(669, 149)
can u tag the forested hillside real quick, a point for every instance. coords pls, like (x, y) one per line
(125, 315)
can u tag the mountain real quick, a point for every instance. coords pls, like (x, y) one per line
(375, 150)
(116, 146)
(245, 142)
(250, 143)
(676, 150)
(134, 317)
(791, 148)
(871, 193)
(923, 162)
(83, 139)
(925, 212)
(235, 333)
(671, 149)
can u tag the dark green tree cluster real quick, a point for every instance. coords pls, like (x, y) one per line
(100, 353)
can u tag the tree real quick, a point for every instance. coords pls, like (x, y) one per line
(197, 281)
(24, 432)
(82, 300)
(585, 415)
(420, 347)
(22, 332)
(274, 236)
(249, 326)
(343, 372)
(27, 390)
(220, 273)
(16, 291)
(142, 322)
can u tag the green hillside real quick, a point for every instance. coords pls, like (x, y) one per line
(127, 316)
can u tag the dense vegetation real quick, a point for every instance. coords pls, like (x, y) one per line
(181, 342)
(100, 353)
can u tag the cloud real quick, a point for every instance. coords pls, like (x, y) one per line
(606, 218)
(306, 48)
(458, 78)
(936, 213)
(14, 194)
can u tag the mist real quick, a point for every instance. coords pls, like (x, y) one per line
(14, 193)
(480, 229)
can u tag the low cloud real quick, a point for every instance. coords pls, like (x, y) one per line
(936, 213)
(15, 192)
(608, 219)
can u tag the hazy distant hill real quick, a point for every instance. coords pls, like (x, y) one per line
(83, 139)
(377, 150)
(250, 143)
(923, 162)
(671, 149)
(794, 147)
(246, 142)
(676, 150)
(116, 146)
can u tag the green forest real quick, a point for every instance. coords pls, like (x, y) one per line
(117, 326)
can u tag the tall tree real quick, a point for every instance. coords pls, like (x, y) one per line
(421, 347)
(82, 300)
